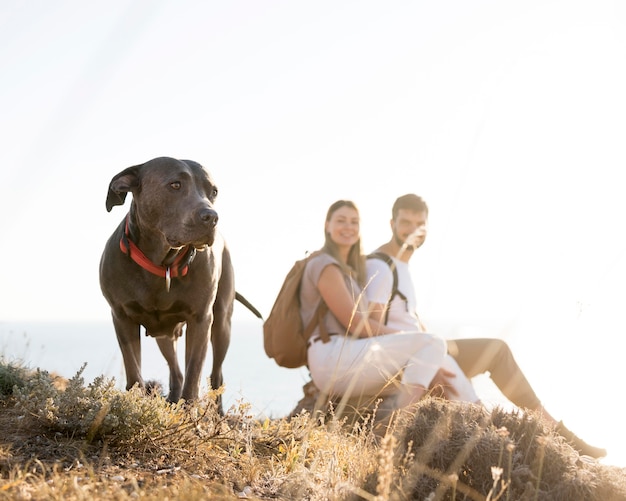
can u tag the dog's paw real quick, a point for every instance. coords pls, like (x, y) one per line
(154, 388)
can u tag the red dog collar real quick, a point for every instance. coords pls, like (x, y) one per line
(178, 268)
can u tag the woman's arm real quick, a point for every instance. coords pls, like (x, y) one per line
(340, 302)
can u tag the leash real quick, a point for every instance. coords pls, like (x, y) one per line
(248, 305)
(179, 268)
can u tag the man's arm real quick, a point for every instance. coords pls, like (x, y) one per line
(377, 311)
(379, 287)
(421, 324)
(441, 385)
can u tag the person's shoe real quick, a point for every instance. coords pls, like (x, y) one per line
(583, 448)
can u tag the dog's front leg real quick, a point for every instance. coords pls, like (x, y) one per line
(129, 340)
(167, 345)
(220, 341)
(196, 347)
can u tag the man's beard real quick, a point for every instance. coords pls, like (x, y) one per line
(400, 242)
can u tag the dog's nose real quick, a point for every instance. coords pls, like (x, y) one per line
(208, 217)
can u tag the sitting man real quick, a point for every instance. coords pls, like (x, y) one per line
(397, 308)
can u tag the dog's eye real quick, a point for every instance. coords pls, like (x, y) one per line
(214, 192)
(175, 185)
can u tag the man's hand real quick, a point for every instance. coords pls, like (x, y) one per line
(441, 386)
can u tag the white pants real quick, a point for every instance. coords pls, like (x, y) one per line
(371, 366)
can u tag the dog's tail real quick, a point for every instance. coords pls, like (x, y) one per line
(248, 305)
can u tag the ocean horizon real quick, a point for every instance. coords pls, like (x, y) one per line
(64, 347)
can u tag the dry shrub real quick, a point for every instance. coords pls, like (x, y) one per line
(145, 444)
(96, 442)
(458, 451)
(334, 458)
(99, 410)
(12, 374)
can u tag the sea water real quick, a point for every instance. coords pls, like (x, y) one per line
(250, 376)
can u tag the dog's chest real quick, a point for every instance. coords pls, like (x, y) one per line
(159, 321)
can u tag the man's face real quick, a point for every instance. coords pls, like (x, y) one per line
(406, 224)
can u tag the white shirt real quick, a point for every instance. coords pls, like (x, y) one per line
(379, 284)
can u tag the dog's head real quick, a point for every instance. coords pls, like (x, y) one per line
(173, 198)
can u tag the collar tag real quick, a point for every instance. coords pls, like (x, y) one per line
(168, 279)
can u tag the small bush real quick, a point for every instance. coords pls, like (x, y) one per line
(457, 451)
(11, 374)
(99, 410)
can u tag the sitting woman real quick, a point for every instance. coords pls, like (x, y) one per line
(363, 356)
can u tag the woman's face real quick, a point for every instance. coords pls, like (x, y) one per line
(344, 227)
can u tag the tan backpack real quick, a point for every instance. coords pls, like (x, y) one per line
(284, 337)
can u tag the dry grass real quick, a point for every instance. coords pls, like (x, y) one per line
(77, 441)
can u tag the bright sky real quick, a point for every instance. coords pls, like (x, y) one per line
(507, 117)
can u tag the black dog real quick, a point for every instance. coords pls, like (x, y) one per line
(166, 266)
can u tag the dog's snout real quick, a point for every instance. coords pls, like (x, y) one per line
(209, 217)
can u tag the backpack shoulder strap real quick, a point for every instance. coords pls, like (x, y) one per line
(394, 288)
(387, 259)
(318, 317)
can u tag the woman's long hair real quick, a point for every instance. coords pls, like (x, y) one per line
(356, 260)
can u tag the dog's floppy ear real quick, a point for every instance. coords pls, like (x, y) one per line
(121, 184)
